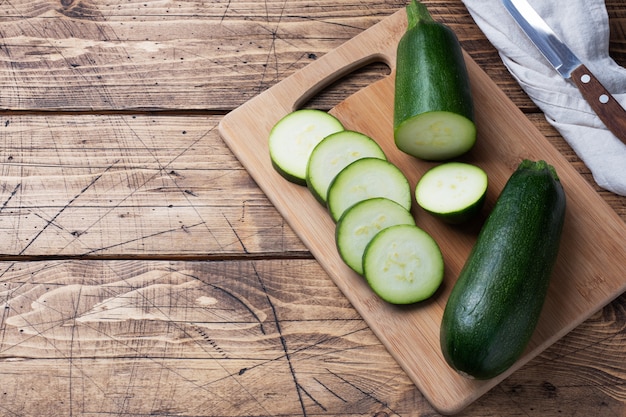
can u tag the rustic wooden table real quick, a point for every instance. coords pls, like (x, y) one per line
(142, 270)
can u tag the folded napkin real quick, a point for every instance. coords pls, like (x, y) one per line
(584, 26)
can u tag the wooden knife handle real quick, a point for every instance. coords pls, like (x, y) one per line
(601, 101)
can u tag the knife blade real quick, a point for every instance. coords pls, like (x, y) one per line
(566, 63)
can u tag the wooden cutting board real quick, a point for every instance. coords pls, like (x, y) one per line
(590, 269)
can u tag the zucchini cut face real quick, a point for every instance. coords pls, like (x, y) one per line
(403, 264)
(293, 138)
(334, 153)
(453, 191)
(367, 178)
(361, 222)
(436, 135)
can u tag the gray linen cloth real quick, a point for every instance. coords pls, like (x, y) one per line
(584, 26)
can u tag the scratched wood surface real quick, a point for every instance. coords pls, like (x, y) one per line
(144, 273)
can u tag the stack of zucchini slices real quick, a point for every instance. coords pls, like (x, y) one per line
(368, 198)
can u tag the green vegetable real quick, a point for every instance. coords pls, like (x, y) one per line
(494, 306)
(333, 154)
(367, 178)
(293, 138)
(433, 107)
(403, 264)
(454, 191)
(361, 222)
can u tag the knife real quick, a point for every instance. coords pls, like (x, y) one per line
(569, 66)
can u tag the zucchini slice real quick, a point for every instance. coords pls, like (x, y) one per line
(433, 106)
(403, 264)
(293, 138)
(333, 154)
(367, 178)
(454, 191)
(361, 222)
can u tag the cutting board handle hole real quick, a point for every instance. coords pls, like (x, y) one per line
(337, 89)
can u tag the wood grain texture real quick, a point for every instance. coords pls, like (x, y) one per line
(87, 86)
(129, 185)
(608, 109)
(171, 338)
(84, 55)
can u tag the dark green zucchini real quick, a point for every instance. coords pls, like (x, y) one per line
(433, 107)
(495, 304)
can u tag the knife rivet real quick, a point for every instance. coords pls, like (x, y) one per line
(604, 99)
(585, 78)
